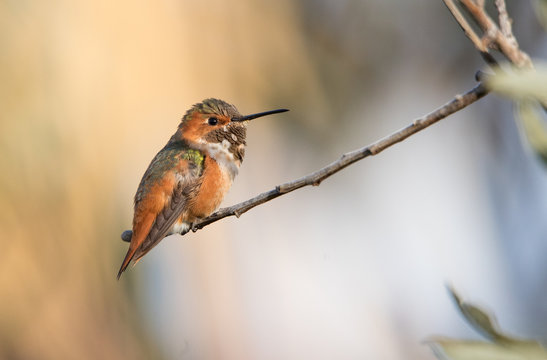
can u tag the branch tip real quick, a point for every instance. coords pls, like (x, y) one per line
(126, 235)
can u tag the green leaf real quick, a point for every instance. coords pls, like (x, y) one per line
(446, 349)
(520, 84)
(541, 11)
(484, 323)
(501, 346)
(531, 115)
(528, 88)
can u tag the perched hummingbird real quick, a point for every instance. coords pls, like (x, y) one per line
(189, 177)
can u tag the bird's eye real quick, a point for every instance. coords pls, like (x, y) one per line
(212, 121)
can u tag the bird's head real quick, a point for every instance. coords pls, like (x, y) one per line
(214, 121)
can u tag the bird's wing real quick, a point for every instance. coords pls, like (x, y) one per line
(154, 226)
(167, 217)
(159, 202)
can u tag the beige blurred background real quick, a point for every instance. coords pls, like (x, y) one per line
(353, 269)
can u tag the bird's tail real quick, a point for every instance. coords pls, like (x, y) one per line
(128, 257)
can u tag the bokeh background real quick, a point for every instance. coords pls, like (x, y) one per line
(353, 269)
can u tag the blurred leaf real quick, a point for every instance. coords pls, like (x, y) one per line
(528, 88)
(481, 321)
(541, 11)
(444, 348)
(531, 115)
(501, 346)
(521, 84)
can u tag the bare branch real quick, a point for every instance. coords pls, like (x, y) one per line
(467, 29)
(504, 19)
(470, 33)
(457, 103)
(492, 37)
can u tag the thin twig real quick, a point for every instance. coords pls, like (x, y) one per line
(494, 38)
(459, 102)
(467, 29)
(504, 19)
(506, 26)
(480, 45)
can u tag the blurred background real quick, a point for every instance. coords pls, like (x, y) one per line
(353, 269)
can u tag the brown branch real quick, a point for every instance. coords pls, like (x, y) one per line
(492, 38)
(459, 102)
(504, 20)
(471, 34)
(467, 29)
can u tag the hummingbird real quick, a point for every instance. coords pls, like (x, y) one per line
(190, 176)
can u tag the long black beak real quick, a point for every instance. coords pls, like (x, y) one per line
(257, 115)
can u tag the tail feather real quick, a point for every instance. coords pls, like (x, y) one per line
(128, 257)
(139, 234)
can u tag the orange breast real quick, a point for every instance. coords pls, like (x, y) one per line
(215, 185)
